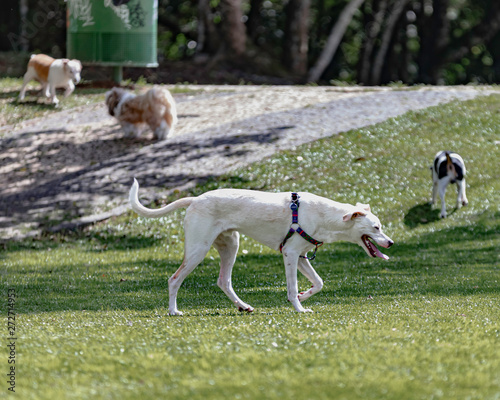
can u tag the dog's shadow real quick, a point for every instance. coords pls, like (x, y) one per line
(39, 104)
(421, 214)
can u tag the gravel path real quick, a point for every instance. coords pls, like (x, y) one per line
(70, 169)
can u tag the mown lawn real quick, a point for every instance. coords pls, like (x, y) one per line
(92, 318)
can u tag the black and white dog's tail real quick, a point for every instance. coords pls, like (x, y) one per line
(450, 167)
(449, 163)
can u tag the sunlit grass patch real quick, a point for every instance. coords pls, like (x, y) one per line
(92, 306)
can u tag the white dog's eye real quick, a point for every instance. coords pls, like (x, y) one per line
(377, 227)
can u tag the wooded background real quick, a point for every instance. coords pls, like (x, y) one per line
(368, 42)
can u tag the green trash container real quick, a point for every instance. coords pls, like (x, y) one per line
(116, 33)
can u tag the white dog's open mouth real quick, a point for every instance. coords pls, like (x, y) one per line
(372, 249)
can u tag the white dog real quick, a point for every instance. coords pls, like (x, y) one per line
(52, 74)
(448, 168)
(216, 218)
(155, 108)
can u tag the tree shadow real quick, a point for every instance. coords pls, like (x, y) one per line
(421, 214)
(57, 196)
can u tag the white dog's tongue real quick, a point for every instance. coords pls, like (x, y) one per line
(379, 254)
(374, 249)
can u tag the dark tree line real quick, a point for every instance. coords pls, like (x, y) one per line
(360, 41)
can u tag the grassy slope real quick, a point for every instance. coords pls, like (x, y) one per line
(92, 310)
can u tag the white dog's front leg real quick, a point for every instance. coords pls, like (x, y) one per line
(69, 88)
(291, 259)
(130, 130)
(317, 283)
(53, 98)
(46, 90)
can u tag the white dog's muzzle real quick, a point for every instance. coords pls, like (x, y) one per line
(372, 250)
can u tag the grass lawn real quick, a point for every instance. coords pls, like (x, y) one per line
(91, 307)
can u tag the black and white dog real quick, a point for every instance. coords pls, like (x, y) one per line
(448, 168)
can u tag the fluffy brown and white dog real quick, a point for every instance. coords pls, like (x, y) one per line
(52, 73)
(156, 108)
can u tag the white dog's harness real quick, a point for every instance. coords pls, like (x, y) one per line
(294, 206)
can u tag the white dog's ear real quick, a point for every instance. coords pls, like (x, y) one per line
(354, 214)
(365, 207)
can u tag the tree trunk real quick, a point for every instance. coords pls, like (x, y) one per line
(233, 29)
(378, 64)
(372, 31)
(207, 35)
(254, 20)
(434, 33)
(23, 10)
(334, 40)
(297, 36)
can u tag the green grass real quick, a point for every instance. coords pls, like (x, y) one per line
(92, 306)
(35, 105)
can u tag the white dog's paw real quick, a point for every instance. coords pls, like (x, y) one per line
(247, 309)
(175, 312)
(305, 310)
(304, 295)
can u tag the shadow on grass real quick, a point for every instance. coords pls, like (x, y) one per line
(421, 214)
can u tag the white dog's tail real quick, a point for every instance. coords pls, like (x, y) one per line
(450, 167)
(154, 213)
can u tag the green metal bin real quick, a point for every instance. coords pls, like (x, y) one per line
(117, 33)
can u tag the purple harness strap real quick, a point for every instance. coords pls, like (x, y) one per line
(294, 206)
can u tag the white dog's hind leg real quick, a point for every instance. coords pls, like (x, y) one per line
(227, 245)
(462, 197)
(434, 191)
(28, 76)
(442, 191)
(291, 259)
(199, 235)
(161, 132)
(191, 260)
(308, 271)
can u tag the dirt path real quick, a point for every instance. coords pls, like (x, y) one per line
(73, 168)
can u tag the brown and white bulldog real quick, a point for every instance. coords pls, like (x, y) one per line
(52, 73)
